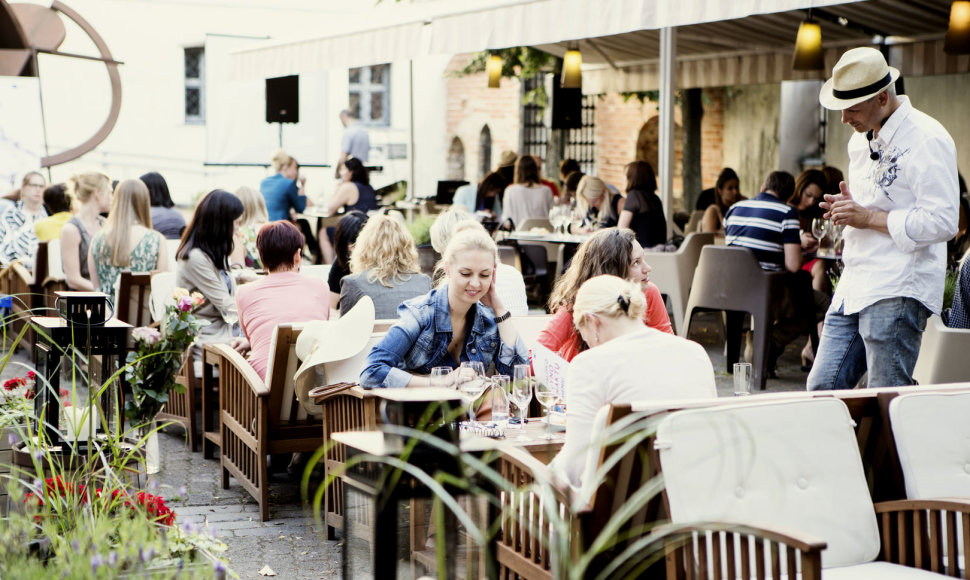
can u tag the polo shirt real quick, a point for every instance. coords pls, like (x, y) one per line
(764, 225)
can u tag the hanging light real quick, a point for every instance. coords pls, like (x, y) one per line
(494, 69)
(958, 32)
(572, 75)
(808, 46)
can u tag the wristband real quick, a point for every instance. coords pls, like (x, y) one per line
(504, 317)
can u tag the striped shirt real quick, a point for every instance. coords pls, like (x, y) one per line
(18, 241)
(764, 225)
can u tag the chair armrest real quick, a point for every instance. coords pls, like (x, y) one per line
(531, 469)
(686, 551)
(924, 533)
(235, 364)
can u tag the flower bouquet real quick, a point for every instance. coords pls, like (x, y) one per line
(16, 400)
(154, 364)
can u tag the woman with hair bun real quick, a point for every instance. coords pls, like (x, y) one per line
(626, 362)
(354, 191)
(165, 218)
(285, 196)
(93, 194)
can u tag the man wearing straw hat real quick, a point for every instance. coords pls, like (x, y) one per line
(899, 207)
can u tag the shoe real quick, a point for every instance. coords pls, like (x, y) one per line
(808, 358)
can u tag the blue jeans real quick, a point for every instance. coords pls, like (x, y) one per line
(884, 337)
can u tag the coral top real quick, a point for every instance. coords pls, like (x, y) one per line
(561, 337)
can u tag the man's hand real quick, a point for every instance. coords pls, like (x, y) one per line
(809, 243)
(845, 211)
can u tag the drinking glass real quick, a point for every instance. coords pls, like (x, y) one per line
(547, 397)
(521, 395)
(472, 383)
(499, 397)
(742, 379)
(231, 317)
(441, 377)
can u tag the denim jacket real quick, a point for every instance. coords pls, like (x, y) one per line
(419, 342)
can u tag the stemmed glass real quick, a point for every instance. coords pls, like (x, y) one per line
(821, 228)
(521, 395)
(472, 383)
(559, 216)
(231, 317)
(547, 397)
(441, 377)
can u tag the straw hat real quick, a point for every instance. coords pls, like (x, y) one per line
(507, 158)
(860, 74)
(324, 341)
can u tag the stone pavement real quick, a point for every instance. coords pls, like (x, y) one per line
(291, 543)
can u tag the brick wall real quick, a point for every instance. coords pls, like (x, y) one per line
(472, 105)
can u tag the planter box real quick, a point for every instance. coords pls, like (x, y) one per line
(5, 462)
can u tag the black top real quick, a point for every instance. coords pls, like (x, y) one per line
(648, 221)
(705, 199)
(337, 272)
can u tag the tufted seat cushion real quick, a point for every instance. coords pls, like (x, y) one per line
(782, 464)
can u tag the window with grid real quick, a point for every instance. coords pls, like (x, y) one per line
(580, 143)
(370, 94)
(535, 134)
(195, 85)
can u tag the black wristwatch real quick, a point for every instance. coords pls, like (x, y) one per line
(504, 317)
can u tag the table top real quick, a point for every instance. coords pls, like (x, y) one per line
(552, 238)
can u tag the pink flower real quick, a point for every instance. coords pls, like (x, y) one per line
(197, 299)
(184, 304)
(146, 335)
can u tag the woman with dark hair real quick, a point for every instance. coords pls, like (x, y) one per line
(348, 228)
(643, 211)
(726, 194)
(611, 251)
(485, 197)
(355, 192)
(282, 296)
(527, 197)
(165, 218)
(57, 201)
(203, 262)
(566, 168)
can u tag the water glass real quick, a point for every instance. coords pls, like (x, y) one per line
(499, 397)
(547, 397)
(441, 377)
(472, 383)
(742, 379)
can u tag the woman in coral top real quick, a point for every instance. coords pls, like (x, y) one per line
(613, 251)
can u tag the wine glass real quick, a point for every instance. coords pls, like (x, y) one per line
(471, 384)
(547, 397)
(521, 395)
(231, 317)
(441, 377)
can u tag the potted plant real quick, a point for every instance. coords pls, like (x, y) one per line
(154, 364)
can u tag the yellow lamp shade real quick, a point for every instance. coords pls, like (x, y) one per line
(494, 69)
(808, 47)
(958, 32)
(572, 74)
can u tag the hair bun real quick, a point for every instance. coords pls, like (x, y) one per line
(624, 302)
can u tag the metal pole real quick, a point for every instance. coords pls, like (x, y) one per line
(411, 184)
(665, 171)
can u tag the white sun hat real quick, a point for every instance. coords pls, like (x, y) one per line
(860, 74)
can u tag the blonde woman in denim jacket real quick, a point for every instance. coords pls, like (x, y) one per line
(461, 320)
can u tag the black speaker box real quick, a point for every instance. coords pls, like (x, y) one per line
(567, 107)
(283, 99)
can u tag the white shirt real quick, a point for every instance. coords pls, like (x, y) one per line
(646, 365)
(915, 180)
(510, 288)
(521, 203)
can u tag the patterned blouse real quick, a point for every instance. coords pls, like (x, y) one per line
(144, 258)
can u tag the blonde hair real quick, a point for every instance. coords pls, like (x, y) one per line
(385, 249)
(445, 225)
(131, 205)
(467, 239)
(592, 187)
(609, 296)
(84, 185)
(280, 160)
(254, 207)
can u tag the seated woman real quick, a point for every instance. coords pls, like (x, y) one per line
(127, 241)
(93, 194)
(462, 320)
(626, 362)
(355, 191)
(508, 280)
(58, 203)
(285, 195)
(282, 296)
(385, 267)
(165, 218)
(348, 228)
(486, 197)
(203, 264)
(612, 251)
(527, 197)
(726, 194)
(17, 237)
(594, 201)
(643, 211)
(244, 253)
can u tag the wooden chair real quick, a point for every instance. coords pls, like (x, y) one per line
(943, 354)
(673, 272)
(260, 419)
(132, 304)
(802, 473)
(55, 281)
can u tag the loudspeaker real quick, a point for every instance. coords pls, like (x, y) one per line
(567, 107)
(283, 99)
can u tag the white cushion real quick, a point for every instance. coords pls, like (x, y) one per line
(932, 432)
(783, 464)
(878, 571)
